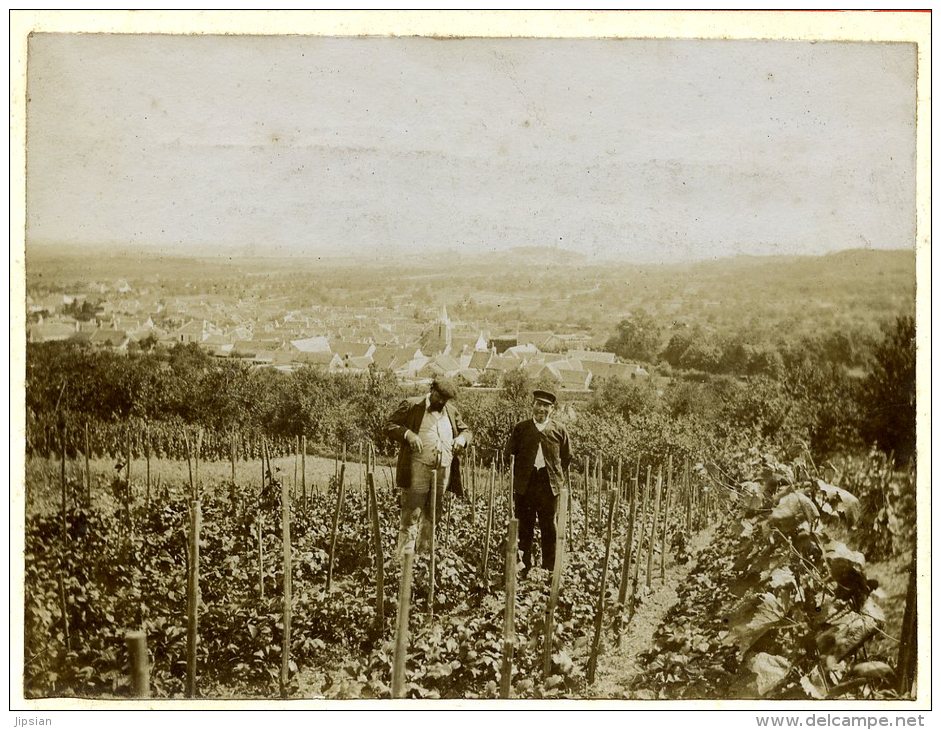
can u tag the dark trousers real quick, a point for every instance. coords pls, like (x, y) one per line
(537, 503)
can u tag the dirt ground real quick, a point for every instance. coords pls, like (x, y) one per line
(617, 665)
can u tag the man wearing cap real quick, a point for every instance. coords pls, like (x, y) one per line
(431, 433)
(542, 452)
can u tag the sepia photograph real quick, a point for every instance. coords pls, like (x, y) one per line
(464, 357)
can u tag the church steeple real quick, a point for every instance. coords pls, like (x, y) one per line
(444, 329)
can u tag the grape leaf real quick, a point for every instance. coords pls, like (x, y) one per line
(770, 670)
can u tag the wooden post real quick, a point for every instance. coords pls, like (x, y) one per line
(341, 493)
(87, 467)
(199, 449)
(286, 582)
(377, 549)
(668, 491)
(261, 455)
(297, 458)
(136, 642)
(147, 462)
(232, 455)
(509, 495)
(642, 524)
(189, 463)
(64, 489)
(620, 484)
(653, 528)
(449, 501)
(473, 485)
(64, 608)
(599, 609)
(586, 506)
(261, 560)
(192, 595)
(401, 624)
(907, 662)
(626, 565)
(304, 470)
(509, 616)
(560, 540)
(568, 509)
(127, 451)
(433, 499)
(599, 475)
(484, 566)
(689, 499)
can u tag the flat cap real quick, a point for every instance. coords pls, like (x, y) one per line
(544, 396)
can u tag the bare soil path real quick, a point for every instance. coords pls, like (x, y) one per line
(617, 666)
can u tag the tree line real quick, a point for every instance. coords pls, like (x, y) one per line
(813, 404)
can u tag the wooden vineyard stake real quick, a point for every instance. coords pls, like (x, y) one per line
(147, 465)
(485, 563)
(511, 508)
(666, 517)
(473, 486)
(297, 458)
(688, 498)
(87, 466)
(377, 550)
(433, 499)
(449, 500)
(642, 524)
(192, 598)
(401, 623)
(261, 559)
(599, 608)
(199, 449)
(189, 463)
(509, 616)
(304, 471)
(341, 494)
(620, 484)
(653, 528)
(64, 608)
(907, 663)
(64, 489)
(232, 455)
(127, 452)
(549, 622)
(568, 511)
(598, 503)
(586, 507)
(626, 565)
(136, 642)
(286, 582)
(261, 455)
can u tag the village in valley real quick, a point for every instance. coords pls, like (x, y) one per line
(416, 345)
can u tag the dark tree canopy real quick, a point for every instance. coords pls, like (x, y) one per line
(637, 337)
(888, 397)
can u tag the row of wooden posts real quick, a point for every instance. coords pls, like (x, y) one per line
(630, 568)
(593, 485)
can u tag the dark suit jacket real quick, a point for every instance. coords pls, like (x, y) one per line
(408, 417)
(524, 444)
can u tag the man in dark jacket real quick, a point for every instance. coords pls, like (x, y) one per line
(432, 434)
(542, 452)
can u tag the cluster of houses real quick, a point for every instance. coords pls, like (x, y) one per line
(334, 339)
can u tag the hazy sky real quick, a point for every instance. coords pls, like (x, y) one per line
(656, 149)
